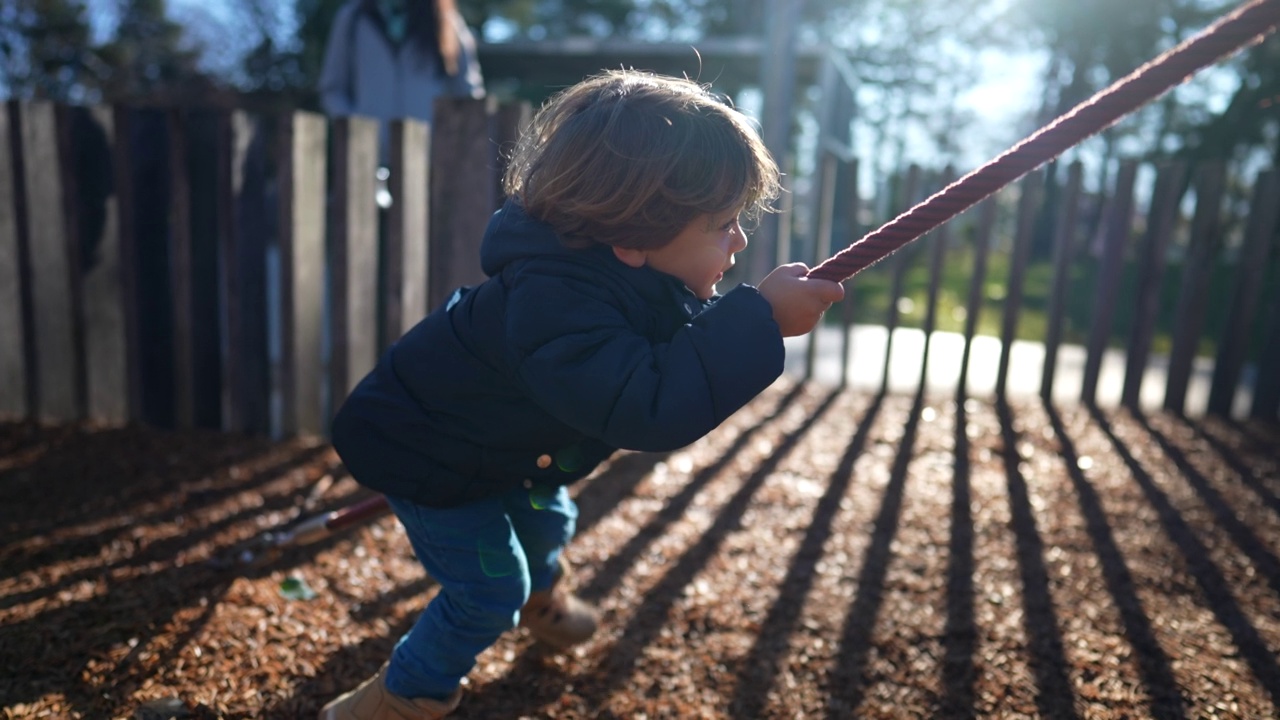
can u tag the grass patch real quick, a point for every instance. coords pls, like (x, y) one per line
(871, 291)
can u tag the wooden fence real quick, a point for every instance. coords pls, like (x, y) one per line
(1122, 250)
(220, 269)
(184, 267)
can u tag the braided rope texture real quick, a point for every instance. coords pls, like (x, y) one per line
(1244, 26)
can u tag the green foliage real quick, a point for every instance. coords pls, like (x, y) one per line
(871, 297)
(149, 59)
(45, 50)
(47, 53)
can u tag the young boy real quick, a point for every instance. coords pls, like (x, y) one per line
(599, 328)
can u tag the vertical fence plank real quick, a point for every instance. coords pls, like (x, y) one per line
(898, 266)
(981, 246)
(464, 163)
(939, 239)
(1064, 252)
(180, 272)
(105, 272)
(1161, 218)
(199, 165)
(231, 145)
(1189, 316)
(822, 239)
(1266, 395)
(353, 265)
(58, 376)
(13, 365)
(126, 227)
(1028, 206)
(854, 232)
(1234, 346)
(1119, 222)
(246, 227)
(302, 228)
(150, 216)
(406, 255)
(70, 121)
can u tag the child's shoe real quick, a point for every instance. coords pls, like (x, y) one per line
(556, 616)
(373, 701)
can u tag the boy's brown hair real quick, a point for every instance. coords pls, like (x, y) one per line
(630, 158)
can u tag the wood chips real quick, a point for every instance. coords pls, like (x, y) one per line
(823, 554)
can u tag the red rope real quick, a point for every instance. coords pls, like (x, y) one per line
(1243, 27)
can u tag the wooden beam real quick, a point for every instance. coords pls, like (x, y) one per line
(302, 169)
(1233, 348)
(1064, 252)
(1119, 222)
(1161, 218)
(405, 272)
(58, 369)
(13, 364)
(1189, 317)
(353, 260)
(1028, 206)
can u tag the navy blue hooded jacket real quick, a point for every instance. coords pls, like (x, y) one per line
(545, 369)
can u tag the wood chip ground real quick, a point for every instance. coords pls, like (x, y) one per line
(823, 554)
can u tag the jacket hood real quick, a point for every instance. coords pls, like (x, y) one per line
(513, 235)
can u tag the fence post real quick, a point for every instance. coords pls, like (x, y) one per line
(1234, 347)
(57, 368)
(406, 256)
(822, 239)
(1028, 205)
(846, 305)
(898, 266)
(981, 245)
(1266, 396)
(246, 227)
(1064, 252)
(1119, 222)
(353, 268)
(463, 167)
(940, 239)
(199, 168)
(106, 272)
(302, 169)
(1189, 317)
(1161, 217)
(180, 272)
(13, 351)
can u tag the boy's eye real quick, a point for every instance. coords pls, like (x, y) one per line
(729, 225)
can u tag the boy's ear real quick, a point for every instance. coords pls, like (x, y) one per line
(630, 256)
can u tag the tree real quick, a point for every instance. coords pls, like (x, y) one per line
(150, 59)
(45, 50)
(1250, 121)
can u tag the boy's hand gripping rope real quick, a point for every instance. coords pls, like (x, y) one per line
(1245, 26)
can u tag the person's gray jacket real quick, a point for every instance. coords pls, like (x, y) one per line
(539, 373)
(364, 74)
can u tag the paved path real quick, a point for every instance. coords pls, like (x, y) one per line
(867, 352)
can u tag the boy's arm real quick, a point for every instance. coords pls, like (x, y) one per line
(581, 361)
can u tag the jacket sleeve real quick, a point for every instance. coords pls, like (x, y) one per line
(334, 85)
(581, 361)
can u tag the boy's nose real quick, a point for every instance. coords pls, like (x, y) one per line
(740, 238)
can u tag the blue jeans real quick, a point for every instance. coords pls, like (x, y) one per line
(487, 556)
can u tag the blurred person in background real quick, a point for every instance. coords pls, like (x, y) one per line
(391, 59)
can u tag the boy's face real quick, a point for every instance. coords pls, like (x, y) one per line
(700, 255)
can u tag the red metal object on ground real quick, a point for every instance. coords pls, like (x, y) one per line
(270, 545)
